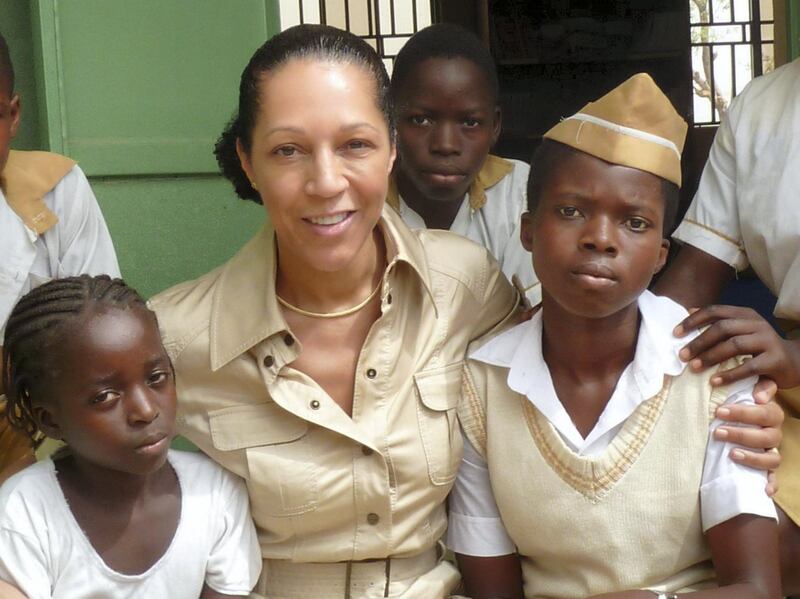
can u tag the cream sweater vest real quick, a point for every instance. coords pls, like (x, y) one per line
(626, 519)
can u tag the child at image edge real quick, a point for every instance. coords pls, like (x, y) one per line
(117, 513)
(590, 468)
(50, 226)
(444, 85)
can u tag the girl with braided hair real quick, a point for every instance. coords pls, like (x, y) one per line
(115, 514)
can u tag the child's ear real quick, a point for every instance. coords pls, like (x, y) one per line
(526, 231)
(497, 125)
(46, 422)
(16, 110)
(663, 254)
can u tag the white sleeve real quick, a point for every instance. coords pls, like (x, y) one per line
(23, 564)
(712, 222)
(234, 563)
(84, 241)
(475, 527)
(729, 489)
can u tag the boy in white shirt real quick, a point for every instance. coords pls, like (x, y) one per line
(444, 85)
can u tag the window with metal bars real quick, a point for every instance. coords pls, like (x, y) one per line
(732, 42)
(385, 24)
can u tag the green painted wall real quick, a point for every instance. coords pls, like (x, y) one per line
(793, 23)
(170, 229)
(166, 229)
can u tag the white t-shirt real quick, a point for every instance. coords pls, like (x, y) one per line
(727, 488)
(45, 554)
(496, 226)
(78, 244)
(746, 209)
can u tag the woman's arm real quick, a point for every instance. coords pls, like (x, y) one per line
(491, 577)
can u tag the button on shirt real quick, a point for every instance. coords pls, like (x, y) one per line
(727, 490)
(746, 207)
(496, 226)
(325, 487)
(79, 243)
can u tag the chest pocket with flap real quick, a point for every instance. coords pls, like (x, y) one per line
(282, 474)
(439, 391)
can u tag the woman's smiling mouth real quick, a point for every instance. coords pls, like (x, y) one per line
(330, 224)
(328, 219)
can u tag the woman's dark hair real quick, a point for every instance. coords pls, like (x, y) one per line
(300, 42)
(36, 324)
(443, 40)
(551, 152)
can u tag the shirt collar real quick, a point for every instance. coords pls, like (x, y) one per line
(520, 351)
(26, 179)
(244, 310)
(492, 172)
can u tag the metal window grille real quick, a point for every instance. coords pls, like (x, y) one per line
(732, 42)
(385, 24)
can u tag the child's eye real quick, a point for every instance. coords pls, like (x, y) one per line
(471, 123)
(569, 211)
(105, 397)
(158, 378)
(420, 121)
(638, 224)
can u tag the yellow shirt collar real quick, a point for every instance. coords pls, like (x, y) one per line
(26, 179)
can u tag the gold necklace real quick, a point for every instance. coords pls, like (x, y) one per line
(339, 314)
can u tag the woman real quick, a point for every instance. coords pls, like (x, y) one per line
(323, 362)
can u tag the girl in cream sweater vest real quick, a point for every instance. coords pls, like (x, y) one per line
(590, 472)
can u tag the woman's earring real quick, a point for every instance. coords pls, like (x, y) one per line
(253, 185)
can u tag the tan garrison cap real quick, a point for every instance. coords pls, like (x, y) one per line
(633, 125)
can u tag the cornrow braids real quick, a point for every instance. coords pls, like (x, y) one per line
(36, 323)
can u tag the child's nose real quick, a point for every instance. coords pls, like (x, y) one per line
(446, 139)
(142, 408)
(598, 236)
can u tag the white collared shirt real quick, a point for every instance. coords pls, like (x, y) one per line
(496, 226)
(79, 243)
(746, 208)
(727, 489)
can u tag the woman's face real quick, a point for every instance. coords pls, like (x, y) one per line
(320, 158)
